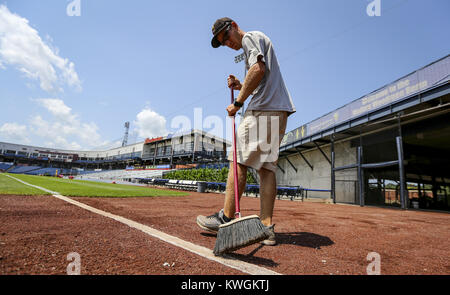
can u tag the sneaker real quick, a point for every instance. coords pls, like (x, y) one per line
(211, 223)
(270, 241)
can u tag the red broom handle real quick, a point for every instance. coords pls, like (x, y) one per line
(236, 183)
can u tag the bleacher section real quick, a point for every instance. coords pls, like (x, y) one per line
(5, 166)
(124, 174)
(88, 174)
(85, 172)
(36, 170)
(49, 171)
(23, 169)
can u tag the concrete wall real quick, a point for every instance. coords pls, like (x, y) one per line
(320, 176)
(346, 180)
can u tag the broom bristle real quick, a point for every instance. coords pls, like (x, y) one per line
(239, 233)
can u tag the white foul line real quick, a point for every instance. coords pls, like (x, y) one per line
(196, 249)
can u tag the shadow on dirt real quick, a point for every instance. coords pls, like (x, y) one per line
(253, 259)
(304, 239)
(246, 257)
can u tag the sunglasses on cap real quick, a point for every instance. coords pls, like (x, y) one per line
(226, 35)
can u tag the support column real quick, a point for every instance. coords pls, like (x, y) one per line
(224, 152)
(171, 153)
(434, 189)
(445, 191)
(401, 170)
(333, 175)
(154, 154)
(193, 149)
(419, 190)
(360, 177)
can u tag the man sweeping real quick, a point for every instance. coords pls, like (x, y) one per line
(261, 129)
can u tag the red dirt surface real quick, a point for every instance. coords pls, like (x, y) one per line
(37, 233)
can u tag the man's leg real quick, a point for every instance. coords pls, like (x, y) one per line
(268, 181)
(229, 206)
(268, 193)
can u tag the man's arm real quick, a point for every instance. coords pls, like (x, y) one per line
(254, 77)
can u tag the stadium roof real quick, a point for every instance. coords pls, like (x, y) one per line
(371, 111)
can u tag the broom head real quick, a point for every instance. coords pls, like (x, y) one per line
(239, 233)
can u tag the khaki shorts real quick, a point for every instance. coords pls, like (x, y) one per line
(258, 139)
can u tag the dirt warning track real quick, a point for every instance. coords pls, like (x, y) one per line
(38, 232)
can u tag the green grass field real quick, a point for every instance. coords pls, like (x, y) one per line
(10, 186)
(80, 188)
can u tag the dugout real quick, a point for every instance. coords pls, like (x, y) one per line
(388, 148)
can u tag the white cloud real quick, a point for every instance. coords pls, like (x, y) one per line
(22, 47)
(150, 124)
(55, 106)
(64, 129)
(61, 128)
(14, 132)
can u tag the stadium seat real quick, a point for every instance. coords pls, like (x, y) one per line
(20, 169)
(5, 166)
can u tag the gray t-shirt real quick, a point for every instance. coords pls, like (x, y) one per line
(271, 94)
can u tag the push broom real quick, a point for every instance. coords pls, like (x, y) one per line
(242, 231)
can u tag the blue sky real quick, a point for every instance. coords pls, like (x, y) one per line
(72, 81)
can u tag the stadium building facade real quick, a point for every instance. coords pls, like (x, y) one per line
(163, 152)
(388, 148)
